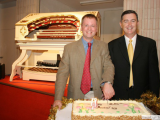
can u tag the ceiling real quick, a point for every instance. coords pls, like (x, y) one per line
(75, 4)
(5, 1)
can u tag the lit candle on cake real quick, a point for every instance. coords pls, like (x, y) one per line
(94, 103)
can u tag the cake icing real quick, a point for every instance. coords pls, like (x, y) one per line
(110, 109)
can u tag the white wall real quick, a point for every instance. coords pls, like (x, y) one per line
(7, 42)
(53, 6)
(110, 28)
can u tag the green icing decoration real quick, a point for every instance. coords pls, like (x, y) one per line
(80, 110)
(117, 111)
(139, 111)
(102, 112)
(87, 111)
(127, 109)
(125, 113)
(133, 111)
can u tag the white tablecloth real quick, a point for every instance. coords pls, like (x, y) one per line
(64, 114)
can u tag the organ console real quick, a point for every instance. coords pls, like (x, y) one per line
(41, 32)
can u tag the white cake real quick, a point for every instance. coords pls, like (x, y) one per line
(113, 110)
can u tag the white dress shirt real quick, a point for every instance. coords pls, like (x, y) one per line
(133, 41)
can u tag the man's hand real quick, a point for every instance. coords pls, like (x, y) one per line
(108, 91)
(57, 103)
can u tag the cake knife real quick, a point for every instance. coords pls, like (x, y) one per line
(103, 98)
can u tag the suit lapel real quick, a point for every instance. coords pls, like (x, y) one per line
(123, 48)
(94, 50)
(138, 48)
(81, 51)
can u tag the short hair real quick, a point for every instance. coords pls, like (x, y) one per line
(89, 16)
(129, 12)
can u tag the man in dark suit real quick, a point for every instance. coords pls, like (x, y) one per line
(143, 69)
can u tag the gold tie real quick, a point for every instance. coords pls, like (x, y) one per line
(130, 54)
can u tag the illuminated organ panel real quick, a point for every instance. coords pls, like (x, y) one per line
(57, 31)
(57, 27)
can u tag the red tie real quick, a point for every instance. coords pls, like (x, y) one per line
(86, 77)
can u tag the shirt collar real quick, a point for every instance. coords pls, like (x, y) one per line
(85, 43)
(133, 39)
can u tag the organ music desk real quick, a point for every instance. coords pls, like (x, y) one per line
(46, 31)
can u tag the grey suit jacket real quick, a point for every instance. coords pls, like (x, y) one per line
(72, 63)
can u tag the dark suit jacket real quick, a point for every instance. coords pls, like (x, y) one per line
(145, 67)
(72, 63)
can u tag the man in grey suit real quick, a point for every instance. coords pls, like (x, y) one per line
(72, 64)
(144, 66)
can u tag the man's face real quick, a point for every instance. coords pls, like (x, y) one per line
(129, 25)
(89, 28)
